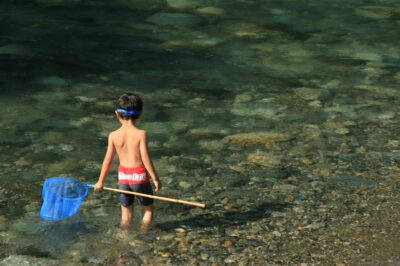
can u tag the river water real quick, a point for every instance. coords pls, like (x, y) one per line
(281, 116)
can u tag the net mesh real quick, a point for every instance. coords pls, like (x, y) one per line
(62, 198)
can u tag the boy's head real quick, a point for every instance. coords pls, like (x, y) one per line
(129, 106)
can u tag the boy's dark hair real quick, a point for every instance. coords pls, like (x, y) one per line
(130, 102)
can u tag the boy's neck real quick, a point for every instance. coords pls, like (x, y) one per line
(128, 123)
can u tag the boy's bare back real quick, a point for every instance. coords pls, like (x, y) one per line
(127, 143)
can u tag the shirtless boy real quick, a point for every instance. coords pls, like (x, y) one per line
(130, 143)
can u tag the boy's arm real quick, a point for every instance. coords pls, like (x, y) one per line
(107, 162)
(148, 163)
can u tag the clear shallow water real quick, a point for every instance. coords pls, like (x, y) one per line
(275, 114)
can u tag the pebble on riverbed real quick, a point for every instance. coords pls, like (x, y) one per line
(228, 244)
(264, 159)
(309, 94)
(21, 162)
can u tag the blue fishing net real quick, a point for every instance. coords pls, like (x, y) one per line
(62, 198)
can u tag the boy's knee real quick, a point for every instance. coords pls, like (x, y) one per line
(148, 208)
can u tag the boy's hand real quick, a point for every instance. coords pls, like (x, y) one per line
(98, 186)
(157, 186)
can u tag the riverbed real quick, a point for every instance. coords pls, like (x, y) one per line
(281, 116)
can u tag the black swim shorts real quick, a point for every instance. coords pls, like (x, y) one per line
(127, 199)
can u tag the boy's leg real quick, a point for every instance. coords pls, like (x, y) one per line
(147, 214)
(126, 216)
(147, 204)
(126, 207)
(147, 217)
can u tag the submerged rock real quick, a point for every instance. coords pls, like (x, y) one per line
(338, 127)
(82, 121)
(52, 137)
(66, 147)
(389, 91)
(193, 40)
(349, 181)
(375, 12)
(243, 98)
(264, 159)
(57, 2)
(16, 50)
(307, 93)
(62, 167)
(212, 145)
(283, 188)
(86, 99)
(211, 132)
(175, 19)
(245, 29)
(316, 104)
(256, 138)
(185, 185)
(22, 260)
(21, 162)
(3, 227)
(165, 166)
(210, 10)
(266, 111)
(315, 225)
(100, 212)
(27, 225)
(53, 81)
(183, 3)
(163, 128)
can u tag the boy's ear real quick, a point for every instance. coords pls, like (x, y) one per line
(118, 115)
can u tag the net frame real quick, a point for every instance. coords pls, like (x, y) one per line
(59, 203)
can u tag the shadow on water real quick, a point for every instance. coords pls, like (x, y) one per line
(227, 218)
(100, 40)
(81, 41)
(60, 236)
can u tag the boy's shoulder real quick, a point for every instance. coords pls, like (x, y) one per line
(141, 132)
(113, 133)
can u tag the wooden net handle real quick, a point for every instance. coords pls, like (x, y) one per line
(197, 204)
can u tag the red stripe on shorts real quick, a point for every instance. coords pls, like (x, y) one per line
(132, 175)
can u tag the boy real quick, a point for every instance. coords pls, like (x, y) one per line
(130, 143)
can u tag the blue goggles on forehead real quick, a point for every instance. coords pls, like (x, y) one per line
(129, 112)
